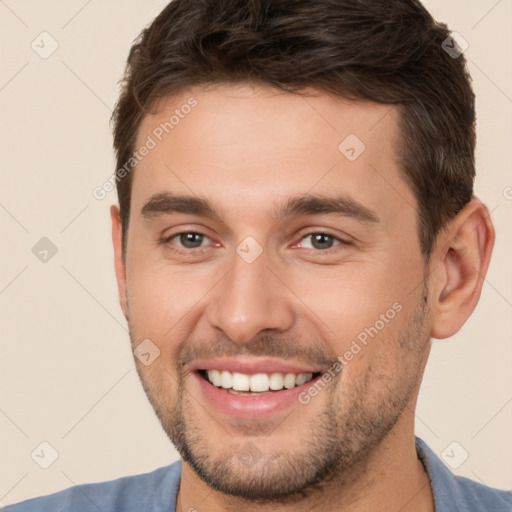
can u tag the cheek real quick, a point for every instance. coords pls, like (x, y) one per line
(347, 302)
(164, 300)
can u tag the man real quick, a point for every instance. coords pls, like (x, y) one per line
(296, 222)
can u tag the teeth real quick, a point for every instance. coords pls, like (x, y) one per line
(214, 377)
(226, 379)
(241, 382)
(276, 381)
(258, 382)
(301, 379)
(289, 380)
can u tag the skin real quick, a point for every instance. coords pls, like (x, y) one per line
(247, 149)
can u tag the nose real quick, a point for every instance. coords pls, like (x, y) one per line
(250, 299)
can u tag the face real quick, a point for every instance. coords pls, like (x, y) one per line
(273, 261)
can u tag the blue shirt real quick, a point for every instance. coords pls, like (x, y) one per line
(157, 491)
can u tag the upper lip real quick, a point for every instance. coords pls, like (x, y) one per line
(252, 365)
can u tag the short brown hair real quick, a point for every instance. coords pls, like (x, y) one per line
(386, 51)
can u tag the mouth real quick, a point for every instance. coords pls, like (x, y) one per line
(244, 384)
(254, 395)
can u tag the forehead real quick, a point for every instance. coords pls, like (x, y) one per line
(262, 143)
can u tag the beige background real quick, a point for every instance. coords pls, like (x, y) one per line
(67, 376)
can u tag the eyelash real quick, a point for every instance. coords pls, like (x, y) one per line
(184, 250)
(341, 242)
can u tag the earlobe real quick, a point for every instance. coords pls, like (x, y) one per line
(460, 261)
(119, 263)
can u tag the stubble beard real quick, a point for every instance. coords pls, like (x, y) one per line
(338, 446)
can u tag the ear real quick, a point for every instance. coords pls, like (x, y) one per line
(460, 262)
(119, 263)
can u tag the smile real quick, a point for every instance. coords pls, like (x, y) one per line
(250, 384)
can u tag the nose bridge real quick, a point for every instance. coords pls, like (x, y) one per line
(250, 299)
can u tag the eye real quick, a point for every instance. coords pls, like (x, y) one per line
(188, 240)
(320, 241)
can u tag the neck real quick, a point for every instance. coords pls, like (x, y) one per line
(391, 474)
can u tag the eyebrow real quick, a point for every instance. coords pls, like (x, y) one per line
(166, 203)
(316, 205)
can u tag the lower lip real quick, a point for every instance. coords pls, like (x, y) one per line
(251, 406)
